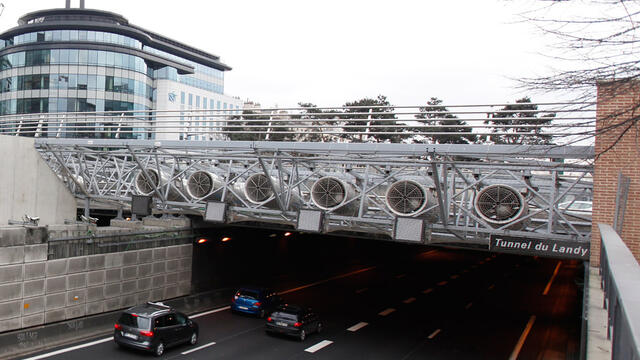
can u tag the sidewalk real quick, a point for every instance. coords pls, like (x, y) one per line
(598, 346)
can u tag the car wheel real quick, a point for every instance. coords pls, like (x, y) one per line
(194, 339)
(303, 335)
(159, 349)
(262, 314)
(319, 328)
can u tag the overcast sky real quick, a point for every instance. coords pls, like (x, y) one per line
(330, 52)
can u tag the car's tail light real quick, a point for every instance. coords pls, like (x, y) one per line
(269, 319)
(118, 327)
(257, 304)
(297, 324)
(146, 333)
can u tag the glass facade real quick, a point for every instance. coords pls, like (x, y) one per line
(71, 35)
(66, 79)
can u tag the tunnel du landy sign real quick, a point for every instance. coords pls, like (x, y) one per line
(540, 247)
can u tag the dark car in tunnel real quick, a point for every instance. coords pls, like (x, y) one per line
(154, 327)
(294, 320)
(255, 300)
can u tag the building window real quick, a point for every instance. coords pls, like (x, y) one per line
(182, 97)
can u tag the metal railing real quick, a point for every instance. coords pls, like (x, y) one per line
(523, 123)
(620, 273)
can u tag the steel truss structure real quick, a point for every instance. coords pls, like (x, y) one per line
(460, 194)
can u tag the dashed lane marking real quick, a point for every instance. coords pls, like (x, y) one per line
(427, 291)
(400, 276)
(360, 291)
(409, 300)
(198, 348)
(326, 280)
(433, 334)
(357, 326)
(386, 312)
(442, 283)
(318, 346)
(210, 312)
(469, 305)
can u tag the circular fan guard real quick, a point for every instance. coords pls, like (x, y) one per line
(199, 184)
(406, 197)
(144, 186)
(257, 188)
(499, 204)
(328, 192)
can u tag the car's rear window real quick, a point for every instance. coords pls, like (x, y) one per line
(248, 293)
(134, 321)
(285, 315)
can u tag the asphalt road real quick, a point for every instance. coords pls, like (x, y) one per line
(381, 301)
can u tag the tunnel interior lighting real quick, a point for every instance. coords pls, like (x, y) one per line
(287, 234)
(225, 239)
(202, 241)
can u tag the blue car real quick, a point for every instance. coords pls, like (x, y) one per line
(255, 300)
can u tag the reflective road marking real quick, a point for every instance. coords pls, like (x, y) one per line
(523, 337)
(555, 273)
(386, 312)
(62, 351)
(357, 326)
(433, 334)
(409, 300)
(198, 348)
(318, 346)
(210, 312)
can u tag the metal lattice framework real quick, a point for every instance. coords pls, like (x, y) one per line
(463, 192)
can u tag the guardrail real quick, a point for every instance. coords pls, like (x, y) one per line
(620, 280)
(522, 123)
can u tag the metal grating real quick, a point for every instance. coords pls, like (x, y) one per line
(499, 203)
(406, 197)
(258, 188)
(199, 184)
(328, 193)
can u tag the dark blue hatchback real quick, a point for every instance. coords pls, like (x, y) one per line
(255, 300)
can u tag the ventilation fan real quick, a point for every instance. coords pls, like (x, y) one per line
(257, 189)
(406, 197)
(328, 193)
(200, 184)
(143, 185)
(500, 204)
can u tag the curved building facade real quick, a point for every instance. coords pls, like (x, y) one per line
(96, 62)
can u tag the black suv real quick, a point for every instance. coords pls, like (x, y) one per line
(294, 320)
(154, 327)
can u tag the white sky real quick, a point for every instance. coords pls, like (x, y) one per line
(330, 52)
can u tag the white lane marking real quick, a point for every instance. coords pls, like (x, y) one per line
(326, 280)
(409, 300)
(360, 291)
(469, 305)
(198, 348)
(455, 276)
(442, 283)
(400, 276)
(433, 334)
(318, 346)
(357, 326)
(62, 351)
(427, 291)
(210, 312)
(386, 312)
(555, 273)
(523, 337)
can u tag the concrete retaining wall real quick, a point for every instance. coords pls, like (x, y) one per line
(29, 186)
(34, 291)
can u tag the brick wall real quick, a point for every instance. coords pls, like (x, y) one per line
(615, 154)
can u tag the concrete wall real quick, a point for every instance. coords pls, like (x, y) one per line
(617, 150)
(29, 186)
(34, 291)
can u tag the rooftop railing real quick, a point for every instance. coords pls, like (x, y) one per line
(520, 123)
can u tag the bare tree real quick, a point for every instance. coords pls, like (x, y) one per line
(597, 41)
